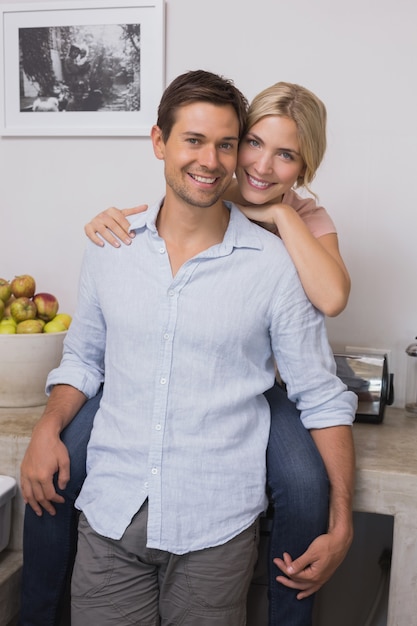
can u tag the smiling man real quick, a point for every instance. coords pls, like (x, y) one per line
(176, 472)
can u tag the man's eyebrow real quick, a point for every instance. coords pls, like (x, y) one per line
(190, 133)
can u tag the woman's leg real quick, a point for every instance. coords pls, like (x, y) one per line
(49, 542)
(299, 490)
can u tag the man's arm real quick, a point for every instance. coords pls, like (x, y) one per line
(313, 568)
(46, 454)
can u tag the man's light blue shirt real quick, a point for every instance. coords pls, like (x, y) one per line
(183, 420)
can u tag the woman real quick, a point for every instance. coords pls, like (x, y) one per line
(281, 150)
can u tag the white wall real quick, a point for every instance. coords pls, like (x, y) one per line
(359, 57)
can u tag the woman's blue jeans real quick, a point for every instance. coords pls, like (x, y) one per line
(299, 492)
(50, 542)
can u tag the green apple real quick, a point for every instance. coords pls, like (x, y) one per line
(29, 327)
(7, 306)
(5, 289)
(7, 329)
(23, 286)
(23, 309)
(8, 320)
(65, 318)
(47, 306)
(54, 327)
(2, 307)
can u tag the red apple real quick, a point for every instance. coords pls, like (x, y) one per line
(5, 290)
(23, 309)
(47, 306)
(23, 286)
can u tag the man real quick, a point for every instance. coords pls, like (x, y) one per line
(186, 323)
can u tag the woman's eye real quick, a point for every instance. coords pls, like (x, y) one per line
(287, 156)
(253, 143)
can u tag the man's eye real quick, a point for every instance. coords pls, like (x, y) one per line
(226, 146)
(192, 140)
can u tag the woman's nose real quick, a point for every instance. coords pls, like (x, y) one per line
(263, 164)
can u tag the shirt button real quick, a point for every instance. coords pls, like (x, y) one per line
(154, 470)
(171, 293)
(166, 336)
(163, 381)
(158, 427)
(146, 485)
(162, 250)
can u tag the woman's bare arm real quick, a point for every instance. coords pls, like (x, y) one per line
(318, 261)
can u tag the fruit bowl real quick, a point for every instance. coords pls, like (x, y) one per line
(25, 362)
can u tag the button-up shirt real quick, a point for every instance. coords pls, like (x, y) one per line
(183, 421)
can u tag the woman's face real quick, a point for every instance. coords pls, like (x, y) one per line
(269, 160)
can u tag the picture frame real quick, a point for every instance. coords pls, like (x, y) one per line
(91, 67)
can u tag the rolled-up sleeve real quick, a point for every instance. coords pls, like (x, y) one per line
(82, 364)
(306, 362)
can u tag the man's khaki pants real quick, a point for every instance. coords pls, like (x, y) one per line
(121, 583)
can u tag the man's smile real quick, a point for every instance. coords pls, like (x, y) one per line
(203, 179)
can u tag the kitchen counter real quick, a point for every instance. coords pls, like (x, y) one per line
(386, 483)
(15, 431)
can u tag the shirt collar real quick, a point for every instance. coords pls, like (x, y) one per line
(240, 233)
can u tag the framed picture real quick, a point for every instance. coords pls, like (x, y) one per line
(91, 67)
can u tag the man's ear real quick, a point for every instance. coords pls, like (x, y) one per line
(158, 142)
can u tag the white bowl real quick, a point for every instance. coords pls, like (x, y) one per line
(25, 362)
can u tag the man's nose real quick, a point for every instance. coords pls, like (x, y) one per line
(209, 157)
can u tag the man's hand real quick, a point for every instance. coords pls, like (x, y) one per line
(314, 568)
(45, 456)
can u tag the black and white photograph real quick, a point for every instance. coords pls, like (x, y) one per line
(92, 68)
(80, 68)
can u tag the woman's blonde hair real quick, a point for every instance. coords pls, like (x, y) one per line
(309, 114)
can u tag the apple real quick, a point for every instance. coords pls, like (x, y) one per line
(8, 320)
(5, 290)
(29, 327)
(54, 326)
(7, 329)
(7, 307)
(65, 318)
(23, 286)
(23, 309)
(47, 306)
(2, 307)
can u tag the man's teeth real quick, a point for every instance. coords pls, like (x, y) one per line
(258, 183)
(202, 179)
